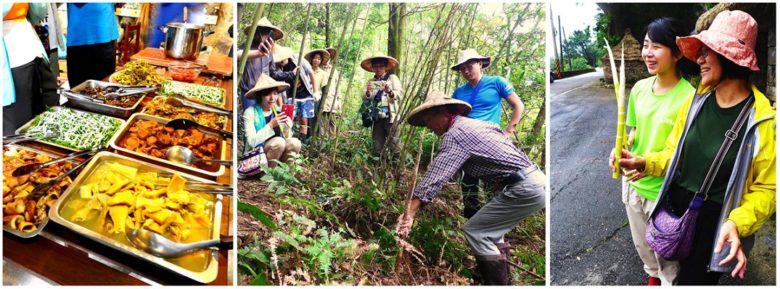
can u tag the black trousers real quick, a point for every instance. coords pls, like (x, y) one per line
(693, 270)
(36, 89)
(94, 61)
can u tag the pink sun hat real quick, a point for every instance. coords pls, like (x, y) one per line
(732, 34)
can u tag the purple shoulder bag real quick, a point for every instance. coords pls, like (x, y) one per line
(671, 236)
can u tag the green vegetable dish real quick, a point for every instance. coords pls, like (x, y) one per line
(74, 129)
(202, 93)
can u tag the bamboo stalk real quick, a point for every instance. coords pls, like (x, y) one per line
(330, 76)
(401, 249)
(248, 44)
(300, 51)
(618, 79)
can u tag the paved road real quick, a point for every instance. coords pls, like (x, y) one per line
(591, 241)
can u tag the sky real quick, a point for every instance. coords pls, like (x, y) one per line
(574, 16)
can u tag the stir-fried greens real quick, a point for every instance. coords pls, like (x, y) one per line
(201, 93)
(74, 129)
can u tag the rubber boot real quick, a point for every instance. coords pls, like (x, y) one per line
(493, 271)
(507, 252)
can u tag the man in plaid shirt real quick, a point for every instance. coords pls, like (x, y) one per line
(482, 150)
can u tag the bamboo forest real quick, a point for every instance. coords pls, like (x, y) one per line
(329, 215)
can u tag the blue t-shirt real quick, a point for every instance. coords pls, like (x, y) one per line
(486, 103)
(91, 23)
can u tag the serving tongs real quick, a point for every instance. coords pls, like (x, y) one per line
(31, 168)
(11, 139)
(199, 187)
(185, 124)
(112, 92)
(180, 101)
(42, 188)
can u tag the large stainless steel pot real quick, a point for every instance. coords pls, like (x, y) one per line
(183, 40)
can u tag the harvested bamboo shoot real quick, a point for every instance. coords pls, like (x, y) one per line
(619, 80)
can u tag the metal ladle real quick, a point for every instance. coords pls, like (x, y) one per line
(160, 246)
(185, 124)
(183, 155)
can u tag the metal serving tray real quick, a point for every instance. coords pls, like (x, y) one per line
(185, 168)
(227, 126)
(223, 105)
(45, 221)
(89, 103)
(205, 276)
(26, 126)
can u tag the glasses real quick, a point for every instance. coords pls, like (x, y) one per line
(703, 52)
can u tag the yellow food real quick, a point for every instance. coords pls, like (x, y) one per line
(120, 197)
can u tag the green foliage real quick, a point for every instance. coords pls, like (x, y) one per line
(581, 45)
(335, 208)
(257, 214)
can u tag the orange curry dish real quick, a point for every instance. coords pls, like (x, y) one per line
(153, 138)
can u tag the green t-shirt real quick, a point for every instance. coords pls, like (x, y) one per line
(653, 116)
(704, 138)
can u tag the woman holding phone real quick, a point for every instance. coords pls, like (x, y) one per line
(267, 125)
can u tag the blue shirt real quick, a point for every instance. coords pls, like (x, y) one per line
(485, 98)
(91, 23)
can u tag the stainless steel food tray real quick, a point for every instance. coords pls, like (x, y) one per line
(84, 102)
(45, 221)
(29, 124)
(185, 168)
(227, 126)
(205, 276)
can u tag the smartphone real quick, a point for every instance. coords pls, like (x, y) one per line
(263, 46)
(288, 109)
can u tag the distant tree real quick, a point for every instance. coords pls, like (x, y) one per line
(581, 43)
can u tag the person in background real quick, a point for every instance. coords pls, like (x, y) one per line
(267, 125)
(317, 58)
(92, 33)
(30, 86)
(386, 96)
(484, 93)
(331, 101)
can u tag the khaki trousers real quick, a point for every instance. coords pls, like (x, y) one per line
(278, 148)
(638, 210)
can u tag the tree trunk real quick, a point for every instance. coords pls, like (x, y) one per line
(539, 121)
(327, 24)
(300, 51)
(395, 32)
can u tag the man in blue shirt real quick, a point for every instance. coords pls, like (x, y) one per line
(484, 93)
(92, 32)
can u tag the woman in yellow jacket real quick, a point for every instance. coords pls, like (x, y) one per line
(742, 195)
